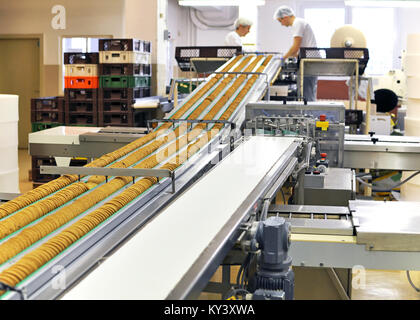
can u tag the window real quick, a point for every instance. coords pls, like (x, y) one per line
(78, 44)
(324, 21)
(377, 24)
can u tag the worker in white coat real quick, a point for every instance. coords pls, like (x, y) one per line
(242, 28)
(303, 37)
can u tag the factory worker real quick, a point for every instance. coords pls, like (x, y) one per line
(303, 36)
(242, 27)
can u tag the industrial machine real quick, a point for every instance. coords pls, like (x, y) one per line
(199, 191)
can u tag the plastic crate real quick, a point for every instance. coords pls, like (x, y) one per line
(38, 126)
(81, 82)
(124, 45)
(133, 118)
(37, 162)
(47, 104)
(124, 81)
(82, 119)
(81, 106)
(184, 87)
(81, 70)
(81, 58)
(116, 105)
(125, 69)
(81, 94)
(47, 116)
(122, 93)
(362, 54)
(147, 45)
(116, 119)
(124, 57)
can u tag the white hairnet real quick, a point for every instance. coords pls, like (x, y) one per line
(283, 11)
(242, 22)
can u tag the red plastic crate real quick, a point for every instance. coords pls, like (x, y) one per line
(81, 82)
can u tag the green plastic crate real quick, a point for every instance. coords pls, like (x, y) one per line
(184, 87)
(124, 81)
(134, 82)
(38, 126)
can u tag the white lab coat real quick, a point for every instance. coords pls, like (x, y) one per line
(233, 39)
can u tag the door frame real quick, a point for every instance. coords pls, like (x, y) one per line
(40, 38)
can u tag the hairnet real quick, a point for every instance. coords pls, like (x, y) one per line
(242, 22)
(283, 11)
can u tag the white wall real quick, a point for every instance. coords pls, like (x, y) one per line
(408, 20)
(271, 35)
(93, 17)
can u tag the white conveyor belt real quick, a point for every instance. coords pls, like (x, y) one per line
(152, 262)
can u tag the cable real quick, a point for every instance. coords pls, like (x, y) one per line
(282, 194)
(238, 276)
(411, 282)
(362, 174)
(234, 291)
(388, 189)
(241, 273)
(244, 280)
(242, 268)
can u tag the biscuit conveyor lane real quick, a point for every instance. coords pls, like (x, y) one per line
(177, 252)
(89, 250)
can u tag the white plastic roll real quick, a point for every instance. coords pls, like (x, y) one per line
(410, 192)
(413, 180)
(412, 126)
(348, 36)
(412, 65)
(9, 181)
(413, 43)
(9, 165)
(413, 108)
(413, 87)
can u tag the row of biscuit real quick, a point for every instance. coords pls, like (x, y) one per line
(52, 186)
(181, 142)
(164, 153)
(35, 195)
(45, 252)
(48, 250)
(41, 208)
(148, 163)
(51, 248)
(147, 150)
(137, 155)
(31, 234)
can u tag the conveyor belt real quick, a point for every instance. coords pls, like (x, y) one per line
(166, 147)
(154, 261)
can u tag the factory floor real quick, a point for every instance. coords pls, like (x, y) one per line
(379, 284)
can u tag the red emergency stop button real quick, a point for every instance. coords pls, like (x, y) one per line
(323, 155)
(322, 117)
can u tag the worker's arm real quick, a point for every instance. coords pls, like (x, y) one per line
(294, 49)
